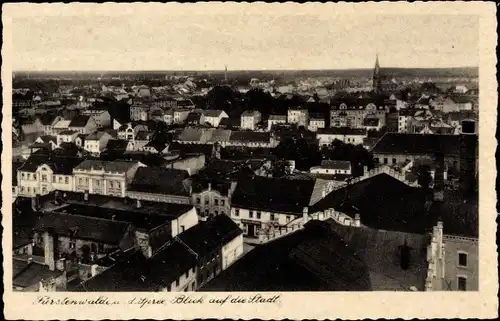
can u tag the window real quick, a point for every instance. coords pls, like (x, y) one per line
(462, 283)
(53, 178)
(198, 200)
(177, 282)
(327, 171)
(272, 217)
(29, 189)
(216, 213)
(206, 201)
(258, 215)
(86, 181)
(117, 185)
(72, 244)
(394, 161)
(60, 179)
(385, 160)
(288, 218)
(222, 212)
(22, 175)
(462, 259)
(97, 182)
(236, 212)
(79, 181)
(100, 248)
(216, 202)
(44, 178)
(111, 184)
(34, 176)
(250, 214)
(183, 228)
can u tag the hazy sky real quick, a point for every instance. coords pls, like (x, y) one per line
(243, 41)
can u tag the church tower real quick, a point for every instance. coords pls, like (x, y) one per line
(377, 85)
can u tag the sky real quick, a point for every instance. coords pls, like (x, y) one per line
(243, 41)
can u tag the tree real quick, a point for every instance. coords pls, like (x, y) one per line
(356, 154)
(424, 177)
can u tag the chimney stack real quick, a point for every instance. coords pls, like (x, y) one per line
(49, 251)
(357, 220)
(209, 187)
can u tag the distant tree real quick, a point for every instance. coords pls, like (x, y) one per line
(303, 152)
(424, 177)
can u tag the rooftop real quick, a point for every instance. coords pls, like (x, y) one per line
(341, 131)
(79, 121)
(107, 166)
(160, 180)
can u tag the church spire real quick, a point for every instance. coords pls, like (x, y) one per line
(376, 76)
(225, 74)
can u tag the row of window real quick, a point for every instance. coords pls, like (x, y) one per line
(207, 201)
(258, 215)
(111, 184)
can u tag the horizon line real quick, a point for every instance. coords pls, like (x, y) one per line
(241, 70)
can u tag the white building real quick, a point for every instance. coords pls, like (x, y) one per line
(298, 116)
(332, 167)
(101, 117)
(347, 135)
(275, 120)
(316, 123)
(96, 143)
(214, 117)
(249, 119)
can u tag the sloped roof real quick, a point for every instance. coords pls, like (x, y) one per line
(273, 194)
(58, 164)
(212, 112)
(160, 180)
(28, 274)
(208, 236)
(79, 121)
(250, 136)
(312, 259)
(108, 166)
(341, 131)
(88, 228)
(399, 143)
(336, 164)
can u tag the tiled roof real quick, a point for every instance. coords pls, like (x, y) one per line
(68, 132)
(190, 135)
(277, 117)
(219, 135)
(28, 274)
(96, 135)
(250, 113)
(160, 180)
(87, 228)
(316, 254)
(417, 144)
(250, 136)
(47, 119)
(336, 164)
(212, 112)
(211, 235)
(273, 194)
(107, 166)
(79, 121)
(49, 138)
(144, 135)
(371, 121)
(59, 164)
(341, 131)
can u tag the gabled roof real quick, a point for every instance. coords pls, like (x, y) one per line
(47, 119)
(341, 131)
(250, 136)
(312, 259)
(27, 274)
(209, 236)
(96, 136)
(116, 144)
(107, 166)
(250, 113)
(87, 228)
(273, 194)
(58, 164)
(79, 121)
(160, 180)
(413, 144)
(212, 112)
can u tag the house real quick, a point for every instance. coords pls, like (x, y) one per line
(160, 185)
(142, 138)
(129, 131)
(101, 116)
(298, 116)
(48, 121)
(457, 150)
(214, 116)
(355, 136)
(41, 174)
(251, 139)
(156, 147)
(96, 142)
(462, 102)
(195, 118)
(168, 117)
(31, 126)
(139, 112)
(31, 276)
(275, 120)
(192, 163)
(250, 119)
(351, 111)
(119, 119)
(104, 177)
(61, 125)
(80, 140)
(67, 136)
(371, 123)
(315, 123)
(404, 120)
(180, 115)
(217, 244)
(47, 140)
(262, 205)
(211, 197)
(83, 124)
(332, 167)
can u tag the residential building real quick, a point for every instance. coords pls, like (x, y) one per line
(275, 120)
(298, 116)
(212, 198)
(250, 119)
(195, 118)
(180, 115)
(347, 135)
(214, 116)
(160, 185)
(101, 117)
(139, 112)
(83, 124)
(404, 120)
(48, 121)
(316, 123)
(41, 174)
(104, 177)
(129, 131)
(96, 142)
(67, 136)
(332, 167)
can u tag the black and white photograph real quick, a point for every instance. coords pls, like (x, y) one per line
(245, 152)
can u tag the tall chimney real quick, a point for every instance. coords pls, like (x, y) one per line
(49, 251)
